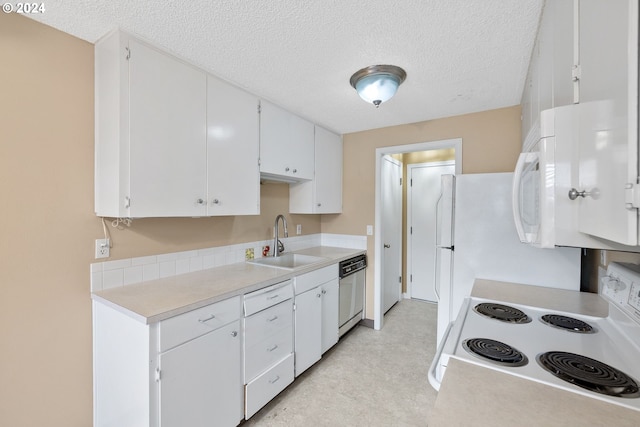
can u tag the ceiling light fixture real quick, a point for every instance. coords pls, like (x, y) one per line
(378, 83)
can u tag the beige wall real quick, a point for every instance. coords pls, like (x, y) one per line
(490, 143)
(48, 227)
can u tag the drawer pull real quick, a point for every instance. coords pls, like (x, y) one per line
(272, 348)
(272, 319)
(273, 296)
(213, 316)
(274, 380)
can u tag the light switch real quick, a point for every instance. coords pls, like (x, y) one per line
(369, 230)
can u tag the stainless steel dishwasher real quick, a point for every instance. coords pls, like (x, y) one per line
(352, 285)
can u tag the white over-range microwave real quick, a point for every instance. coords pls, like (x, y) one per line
(546, 172)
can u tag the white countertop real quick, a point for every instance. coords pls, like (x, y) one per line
(478, 396)
(156, 300)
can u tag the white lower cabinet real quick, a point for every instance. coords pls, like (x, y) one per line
(316, 315)
(199, 381)
(268, 344)
(185, 370)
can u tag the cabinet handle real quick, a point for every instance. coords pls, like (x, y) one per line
(272, 319)
(272, 348)
(234, 334)
(274, 380)
(273, 296)
(213, 316)
(216, 202)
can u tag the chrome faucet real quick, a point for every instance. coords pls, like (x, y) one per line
(278, 247)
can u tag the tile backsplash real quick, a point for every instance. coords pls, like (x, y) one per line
(111, 274)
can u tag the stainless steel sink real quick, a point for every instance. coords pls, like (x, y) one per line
(287, 261)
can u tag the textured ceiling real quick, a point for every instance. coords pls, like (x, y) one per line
(461, 56)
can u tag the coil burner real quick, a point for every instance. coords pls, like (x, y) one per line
(502, 312)
(567, 323)
(495, 351)
(589, 374)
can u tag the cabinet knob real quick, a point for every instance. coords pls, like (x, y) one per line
(295, 171)
(216, 202)
(324, 292)
(286, 169)
(200, 201)
(574, 194)
(319, 295)
(234, 334)
(319, 204)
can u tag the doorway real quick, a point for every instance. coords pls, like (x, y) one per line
(391, 193)
(401, 151)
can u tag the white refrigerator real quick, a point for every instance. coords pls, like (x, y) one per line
(476, 238)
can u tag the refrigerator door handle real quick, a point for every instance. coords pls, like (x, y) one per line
(523, 160)
(437, 222)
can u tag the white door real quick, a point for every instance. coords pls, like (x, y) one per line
(391, 187)
(330, 307)
(308, 329)
(608, 109)
(200, 381)
(232, 133)
(168, 107)
(424, 190)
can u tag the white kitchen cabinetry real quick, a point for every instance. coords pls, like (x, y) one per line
(323, 194)
(549, 80)
(286, 145)
(185, 370)
(150, 131)
(268, 344)
(233, 132)
(608, 120)
(316, 315)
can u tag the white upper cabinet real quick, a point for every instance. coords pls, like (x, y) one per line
(233, 184)
(324, 193)
(549, 79)
(150, 132)
(608, 120)
(171, 141)
(286, 145)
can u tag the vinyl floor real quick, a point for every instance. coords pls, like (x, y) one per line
(370, 378)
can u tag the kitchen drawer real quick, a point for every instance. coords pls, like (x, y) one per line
(184, 327)
(267, 386)
(261, 356)
(267, 297)
(267, 323)
(317, 277)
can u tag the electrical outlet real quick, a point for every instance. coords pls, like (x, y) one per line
(299, 229)
(102, 248)
(369, 230)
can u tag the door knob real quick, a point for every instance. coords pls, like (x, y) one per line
(387, 246)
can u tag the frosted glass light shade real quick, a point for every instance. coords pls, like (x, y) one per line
(378, 83)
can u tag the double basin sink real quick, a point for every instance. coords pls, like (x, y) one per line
(288, 261)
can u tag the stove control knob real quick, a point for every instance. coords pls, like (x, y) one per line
(613, 283)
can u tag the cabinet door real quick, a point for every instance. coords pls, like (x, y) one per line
(608, 119)
(308, 326)
(330, 313)
(232, 150)
(328, 175)
(200, 381)
(286, 143)
(167, 135)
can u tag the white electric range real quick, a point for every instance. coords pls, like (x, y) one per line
(598, 357)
